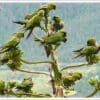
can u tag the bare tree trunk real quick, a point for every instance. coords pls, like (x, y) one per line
(57, 83)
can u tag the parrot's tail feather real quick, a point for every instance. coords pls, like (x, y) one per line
(47, 50)
(76, 56)
(29, 34)
(78, 50)
(38, 39)
(2, 51)
(79, 55)
(19, 22)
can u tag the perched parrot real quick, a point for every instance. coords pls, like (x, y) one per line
(95, 82)
(12, 42)
(11, 84)
(89, 52)
(25, 85)
(46, 47)
(3, 60)
(58, 23)
(35, 21)
(92, 42)
(70, 78)
(46, 7)
(54, 39)
(2, 87)
(12, 58)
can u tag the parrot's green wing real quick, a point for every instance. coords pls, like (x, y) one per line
(34, 21)
(54, 38)
(89, 50)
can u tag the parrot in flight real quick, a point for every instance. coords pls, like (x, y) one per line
(12, 42)
(58, 23)
(35, 21)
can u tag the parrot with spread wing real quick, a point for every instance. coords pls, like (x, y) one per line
(58, 23)
(35, 21)
(12, 42)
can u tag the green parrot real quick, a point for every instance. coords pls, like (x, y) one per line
(95, 82)
(70, 78)
(26, 85)
(58, 23)
(88, 52)
(12, 42)
(11, 84)
(12, 58)
(92, 42)
(2, 87)
(77, 76)
(3, 60)
(46, 7)
(54, 39)
(35, 21)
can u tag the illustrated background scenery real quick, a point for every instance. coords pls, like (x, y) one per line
(81, 22)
